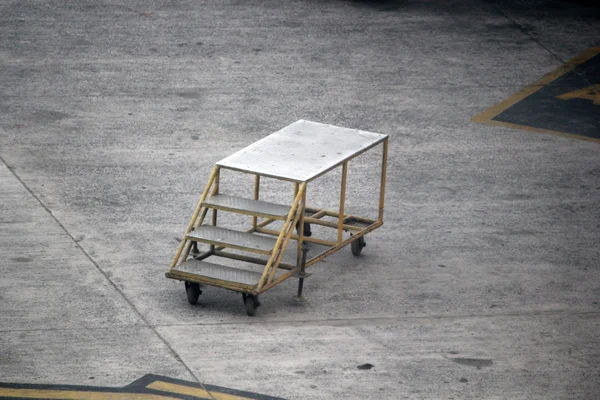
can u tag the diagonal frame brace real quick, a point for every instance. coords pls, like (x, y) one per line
(287, 226)
(213, 177)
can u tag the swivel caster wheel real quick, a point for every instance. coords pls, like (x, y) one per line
(192, 290)
(251, 302)
(357, 246)
(307, 231)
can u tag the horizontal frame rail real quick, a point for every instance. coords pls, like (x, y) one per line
(335, 248)
(321, 256)
(330, 224)
(254, 260)
(295, 237)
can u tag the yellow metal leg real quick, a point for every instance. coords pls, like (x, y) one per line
(342, 201)
(300, 224)
(256, 195)
(382, 185)
(290, 230)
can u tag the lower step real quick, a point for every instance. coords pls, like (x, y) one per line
(205, 269)
(234, 239)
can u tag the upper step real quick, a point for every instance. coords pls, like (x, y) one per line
(202, 269)
(233, 239)
(247, 206)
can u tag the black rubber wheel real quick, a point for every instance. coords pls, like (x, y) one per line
(193, 292)
(357, 246)
(307, 231)
(251, 303)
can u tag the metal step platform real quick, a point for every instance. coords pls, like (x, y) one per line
(203, 269)
(247, 206)
(232, 239)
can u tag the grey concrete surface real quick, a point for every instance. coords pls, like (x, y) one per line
(508, 357)
(41, 262)
(112, 115)
(61, 319)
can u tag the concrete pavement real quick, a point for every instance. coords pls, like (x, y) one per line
(61, 317)
(483, 282)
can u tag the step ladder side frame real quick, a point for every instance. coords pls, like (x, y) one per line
(284, 245)
(215, 191)
(280, 238)
(184, 242)
(200, 220)
(205, 208)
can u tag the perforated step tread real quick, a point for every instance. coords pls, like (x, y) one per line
(248, 206)
(205, 269)
(233, 239)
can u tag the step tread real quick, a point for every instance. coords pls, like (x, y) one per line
(258, 207)
(232, 238)
(217, 271)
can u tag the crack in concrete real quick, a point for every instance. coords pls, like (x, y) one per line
(526, 32)
(115, 287)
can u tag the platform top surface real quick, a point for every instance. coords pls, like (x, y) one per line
(301, 151)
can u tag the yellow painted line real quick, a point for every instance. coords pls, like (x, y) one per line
(487, 116)
(539, 130)
(192, 391)
(77, 395)
(591, 93)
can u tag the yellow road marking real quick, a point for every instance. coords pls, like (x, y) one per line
(487, 116)
(589, 93)
(192, 391)
(77, 395)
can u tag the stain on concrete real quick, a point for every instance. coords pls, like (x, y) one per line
(190, 94)
(365, 366)
(48, 116)
(473, 362)
(22, 259)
